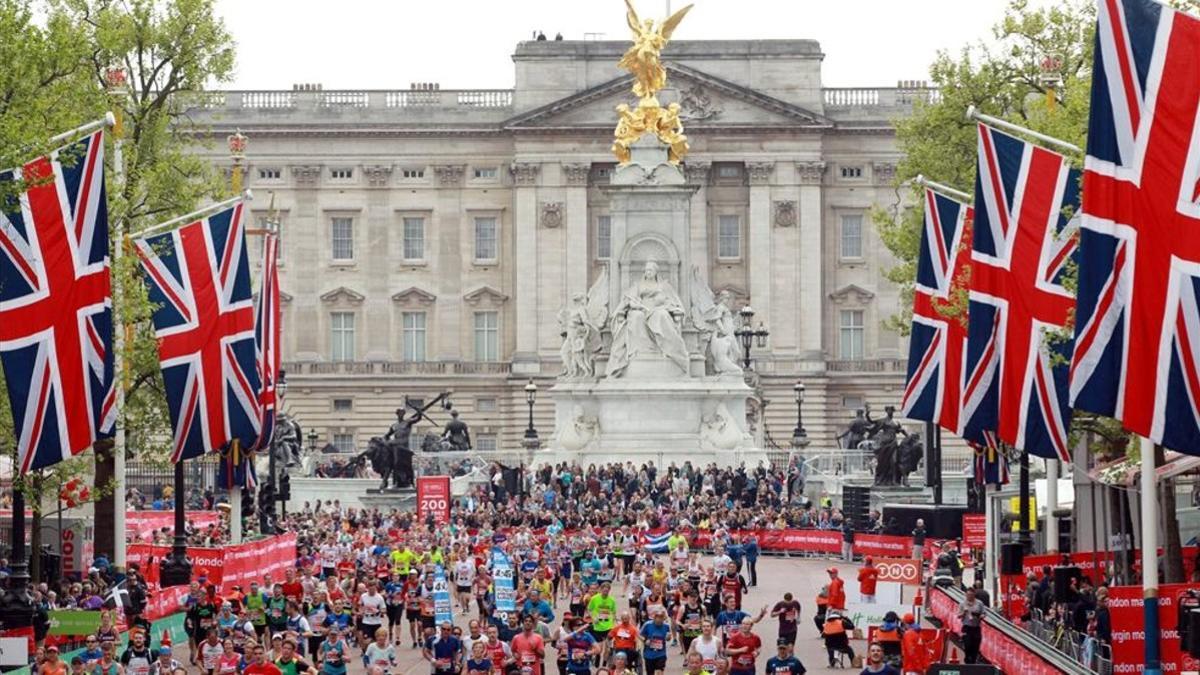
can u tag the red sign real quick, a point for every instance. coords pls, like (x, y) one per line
(899, 570)
(433, 498)
(1128, 640)
(974, 530)
(883, 545)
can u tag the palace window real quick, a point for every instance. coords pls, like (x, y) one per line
(342, 237)
(485, 443)
(851, 329)
(272, 173)
(850, 402)
(341, 336)
(852, 236)
(344, 443)
(852, 172)
(729, 236)
(413, 336)
(412, 174)
(603, 237)
(485, 405)
(414, 238)
(486, 173)
(341, 174)
(343, 405)
(487, 336)
(485, 239)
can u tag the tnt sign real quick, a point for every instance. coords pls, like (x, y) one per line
(899, 570)
(433, 499)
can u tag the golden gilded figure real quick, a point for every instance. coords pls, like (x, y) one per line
(644, 61)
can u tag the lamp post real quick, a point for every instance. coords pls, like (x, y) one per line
(531, 441)
(273, 481)
(799, 435)
(16, 603)
(176, 569)
(749, 335)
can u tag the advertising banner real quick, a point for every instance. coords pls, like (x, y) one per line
(433, 498)
(506, 594)
(74, 621)
(974, 530)
(882, 545)
(1128, 639)
(143, 524)
(442, 612)
(899, 570)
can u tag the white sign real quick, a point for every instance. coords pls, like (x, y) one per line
(14, 651)
(870, 615)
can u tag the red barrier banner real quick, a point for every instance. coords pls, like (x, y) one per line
(1012, 599)
(899, 570)
(256, 560)
(433, 498)
(141, 525)
(974, 530)
(819, 541)
(206, 562)
(996, 647)
(883, 545)
(1128, 639)
(1087, 561)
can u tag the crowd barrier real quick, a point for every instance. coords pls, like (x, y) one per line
(143, 524)
(222, 567)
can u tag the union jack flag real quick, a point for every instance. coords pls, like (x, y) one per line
(267, 327)
(199, 281)
(939, 330)
(56, 305)
(991, 464)
(1138, 324)
(1015, 385)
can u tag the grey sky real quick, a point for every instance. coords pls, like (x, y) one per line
(467, 44)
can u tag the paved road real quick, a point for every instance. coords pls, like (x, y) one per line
(803, 578)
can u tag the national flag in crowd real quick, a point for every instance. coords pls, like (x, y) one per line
(991, 464)
(1137, 335)
(267, 327)
(1016, 384)
(236, 469)
(199, 283)
(939, 329)
(56, 304)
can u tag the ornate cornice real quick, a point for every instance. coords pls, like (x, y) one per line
(576, 174)
(851, 292)
(525, 173)
(759, 173)
(343, 294)
(884, 172)
(306, 174)
(449, 175)
(413, 296)
(697, 172)
(810, 173)
(485, 294)
(378, 175)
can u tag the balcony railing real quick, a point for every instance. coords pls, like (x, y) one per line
(364, 99)
(878, 97)
(867, 366)
(398, 368)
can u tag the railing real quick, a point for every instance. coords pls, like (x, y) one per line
(267, 99)
(1087, 651)
(363, 99)
(149, 478)
(872, 97)
(344, 99)
(867, 366)
(398, 368)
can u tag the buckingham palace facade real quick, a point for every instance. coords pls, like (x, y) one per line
(430, 237)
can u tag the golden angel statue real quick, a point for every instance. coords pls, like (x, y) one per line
(642, 59)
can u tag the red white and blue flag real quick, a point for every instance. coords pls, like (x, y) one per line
(991, 464)
(267, 326)
(938, 341)
(1016, 384)
(1137, 340)
(198, 279)
(56, 304)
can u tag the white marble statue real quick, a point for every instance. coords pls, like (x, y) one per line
(579, 433)
(714, 318)
(647, 320)
(581, 324)
(718, 430)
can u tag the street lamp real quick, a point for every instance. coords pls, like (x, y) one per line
(312, 441)
(799, 435)
(531, 435)
(749, 335)
(281, 387)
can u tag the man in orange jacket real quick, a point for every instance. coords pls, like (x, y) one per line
(867, 576)
(837, 590)
(914, 655)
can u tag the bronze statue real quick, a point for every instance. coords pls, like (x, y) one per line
(390, 455)
(457, 434)
(884, 444)
(857, 432)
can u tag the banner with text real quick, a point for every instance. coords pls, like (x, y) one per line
(1128, 639)
(974, 530)
(506, 594)
(433, 498)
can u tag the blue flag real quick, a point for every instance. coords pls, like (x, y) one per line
(442, 612)
(506, 594)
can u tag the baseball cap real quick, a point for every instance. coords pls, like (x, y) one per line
(783, 642)
(832, 570)
(868, 560)
(908, 618)
(164, 651)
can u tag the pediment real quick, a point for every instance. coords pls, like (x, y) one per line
(851, 292)
(485, 294)
(707, 101)
(343, 294)
(414, 296)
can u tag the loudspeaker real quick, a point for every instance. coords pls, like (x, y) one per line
(1062, 582)
(1012, 558)
(1192, 643)
(856, 505)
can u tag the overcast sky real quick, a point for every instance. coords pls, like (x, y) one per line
(467, 44)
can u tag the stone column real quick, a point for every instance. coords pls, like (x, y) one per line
(377, 317)
(810, 175)
(306, 231)
(697, 174)
(758, 249)
(576, 178)
(525, 222)
(447, 336)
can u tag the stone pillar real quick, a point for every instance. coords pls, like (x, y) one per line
(447, 335)
(758, 249)
(576, 178)
(376, 317)
(810, 175)
(697, 174)
(310, 232)
(525, 223)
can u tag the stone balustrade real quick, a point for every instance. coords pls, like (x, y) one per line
(841, 98)
(397, 368)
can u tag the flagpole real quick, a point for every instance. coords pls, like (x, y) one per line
(115, 80)
(109, 121)
(1051, 505)
(1150, 569)
(186, 218)
(945, 189)
(237, 153)
(975, 115)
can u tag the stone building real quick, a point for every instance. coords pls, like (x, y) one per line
(431, 236)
